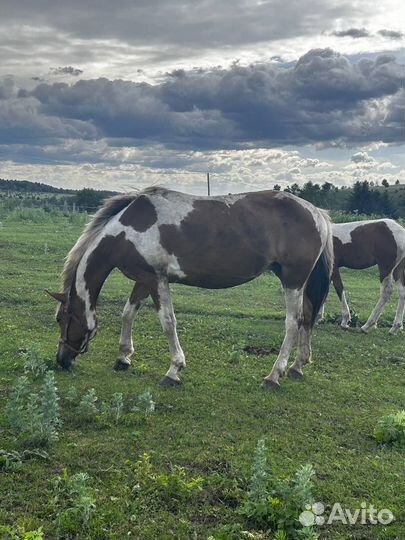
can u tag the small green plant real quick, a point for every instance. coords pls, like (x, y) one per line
(34, 417)
(18, 533)
(74, 500)
(71, 395)
(391, 428)
(16, 407)
(88, 404)
(145, 403)
(13, 459)
(274, 504)
(236, 353)
(115, 408)
(50, 406)
(34, 364)
(172, 488)
(234, 357)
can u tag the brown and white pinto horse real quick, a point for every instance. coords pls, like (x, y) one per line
(362, 244)
(159, 236)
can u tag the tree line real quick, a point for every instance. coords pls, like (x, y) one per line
(363, 198)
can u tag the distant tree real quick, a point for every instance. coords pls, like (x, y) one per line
(294, 189)
(89, 199)
(312, 193)
(386, 207)
(385, 183)
(397, 182)
(360, 199)
(277, 187)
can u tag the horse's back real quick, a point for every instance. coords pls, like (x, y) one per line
(222, 241)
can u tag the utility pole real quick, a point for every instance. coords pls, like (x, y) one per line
(208, 184)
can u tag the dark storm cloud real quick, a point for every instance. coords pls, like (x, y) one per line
(351, 32)
(321, 98)
(362, 33)
(67, 70)
(7, 88)
(21, 122)
(392, 34)
(182, 23)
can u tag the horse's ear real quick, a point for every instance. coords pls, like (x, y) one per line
(59, 296)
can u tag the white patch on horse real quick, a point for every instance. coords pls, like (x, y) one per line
(343, 231)
(82, 289)
(229, 200)
(171, 209)
(399, 235)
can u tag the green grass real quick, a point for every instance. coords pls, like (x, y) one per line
(211, 424)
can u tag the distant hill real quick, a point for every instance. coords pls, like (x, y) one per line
(32, 187)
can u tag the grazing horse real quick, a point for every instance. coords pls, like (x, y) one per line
(362, 244)
(160, 236)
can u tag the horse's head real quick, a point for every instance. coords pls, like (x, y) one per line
(74, 332)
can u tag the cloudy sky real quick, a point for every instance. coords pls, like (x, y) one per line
(120, 95)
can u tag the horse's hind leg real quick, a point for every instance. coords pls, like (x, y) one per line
(133, 305)
(304, 351)
(293, 319)
(399, 277)
(163, 303)
(340, 291)
(385, 293)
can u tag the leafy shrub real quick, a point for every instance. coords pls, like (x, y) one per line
(171, 488)
(116, 407)
(74, 500)
(87, 406)
(13, 459)
(34, 364)
(234, 357)
(71, 395)
(274, 504)
(34, 417)
(391, 428)
(145, 403)
(18, 533)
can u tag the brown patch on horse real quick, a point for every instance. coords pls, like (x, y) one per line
(140, 214)
(116, 251)
(220, 245)
(372, 243)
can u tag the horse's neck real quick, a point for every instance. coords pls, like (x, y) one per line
(92, 271)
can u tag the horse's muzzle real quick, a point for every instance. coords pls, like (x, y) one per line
(65, 357)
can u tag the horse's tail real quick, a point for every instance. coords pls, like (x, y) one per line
(317, 286)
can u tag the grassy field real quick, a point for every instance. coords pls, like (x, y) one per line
(211, 424)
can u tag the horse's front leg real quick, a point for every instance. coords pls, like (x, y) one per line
(163, 303)
(132, 307)
(293, 320)
(385, 293)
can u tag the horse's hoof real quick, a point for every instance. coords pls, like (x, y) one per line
(268, 384)
(121, 366)
(364, 330)
(394, 330)
(294, 374)
(168, 381)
